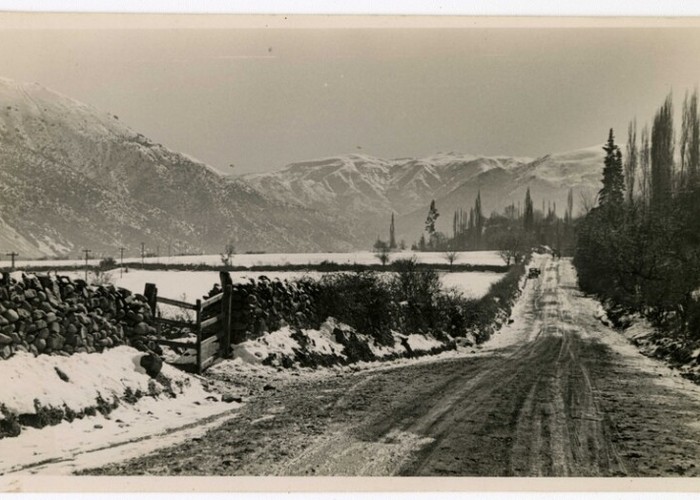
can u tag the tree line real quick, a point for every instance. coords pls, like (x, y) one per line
(513, 232)
(639, 248)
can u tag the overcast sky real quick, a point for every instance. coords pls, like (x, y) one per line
(260, 99)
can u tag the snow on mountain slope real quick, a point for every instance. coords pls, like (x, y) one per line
(74, 177)
(366, 190)
(373, 185)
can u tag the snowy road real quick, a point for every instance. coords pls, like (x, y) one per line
(556, 394)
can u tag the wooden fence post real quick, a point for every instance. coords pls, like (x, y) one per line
(226, 320)
(226, 286)
(151, 294)
(198, 327)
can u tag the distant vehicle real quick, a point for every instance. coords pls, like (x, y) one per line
(533, 272)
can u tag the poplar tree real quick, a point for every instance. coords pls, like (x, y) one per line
(392, 233)
(631, 161)
(644, 165)
(662, 156)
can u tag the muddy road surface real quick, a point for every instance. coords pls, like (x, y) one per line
(557, 393)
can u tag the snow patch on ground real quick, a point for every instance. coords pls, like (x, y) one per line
(108, 374)
(422, 342)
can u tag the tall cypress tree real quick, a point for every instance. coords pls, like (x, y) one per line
(529, 215)
(478, 221)
(392, 233)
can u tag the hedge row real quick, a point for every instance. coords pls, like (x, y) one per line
(410, 300)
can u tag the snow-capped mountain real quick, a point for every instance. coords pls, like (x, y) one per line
(366, 190)
(74, 177)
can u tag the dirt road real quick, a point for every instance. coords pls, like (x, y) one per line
(557, 394)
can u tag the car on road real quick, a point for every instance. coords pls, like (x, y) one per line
(533, 272)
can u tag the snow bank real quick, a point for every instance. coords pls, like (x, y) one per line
(108, 373)
(285, 342)
(281, 342)
(423, 343)
(75, 382)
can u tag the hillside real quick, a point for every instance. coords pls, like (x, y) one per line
(73, 177)
(368, 189)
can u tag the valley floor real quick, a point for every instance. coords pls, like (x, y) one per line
(557, 393)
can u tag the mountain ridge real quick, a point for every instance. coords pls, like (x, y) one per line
(74, 177)
(367, 187)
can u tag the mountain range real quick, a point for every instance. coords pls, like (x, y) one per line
(366, 190)
(73, 177)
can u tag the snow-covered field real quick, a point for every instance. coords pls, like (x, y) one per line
(474, 285)
(191, 285)
(490, 258)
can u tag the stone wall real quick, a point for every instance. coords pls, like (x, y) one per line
(57, 315)
(264, 305)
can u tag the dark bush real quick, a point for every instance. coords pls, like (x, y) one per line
(362, 300)
(108, 263)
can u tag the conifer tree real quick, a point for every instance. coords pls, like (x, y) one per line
(433, 214)
(611, 196)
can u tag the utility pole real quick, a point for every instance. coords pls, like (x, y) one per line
(121, 262)
(143, 251)
(12, 256)
(87, 255)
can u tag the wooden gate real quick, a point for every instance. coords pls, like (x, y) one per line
(211, 325)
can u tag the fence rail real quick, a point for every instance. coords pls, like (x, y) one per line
(213, 334)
